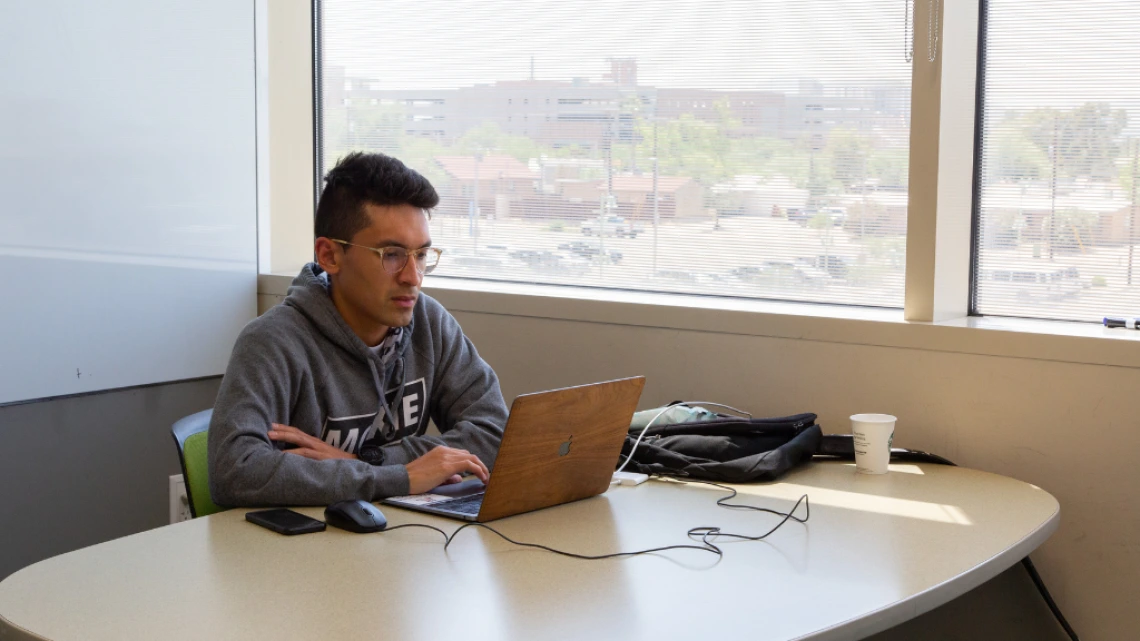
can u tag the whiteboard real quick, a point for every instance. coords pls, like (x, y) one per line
(128, 202)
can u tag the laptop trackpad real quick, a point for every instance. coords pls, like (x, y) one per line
(457, 490)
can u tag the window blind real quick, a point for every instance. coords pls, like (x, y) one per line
(1060, 156)
(733, 148)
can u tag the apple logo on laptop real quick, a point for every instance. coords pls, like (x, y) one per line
(564, 449)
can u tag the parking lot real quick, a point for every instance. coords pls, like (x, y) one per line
(738, 256)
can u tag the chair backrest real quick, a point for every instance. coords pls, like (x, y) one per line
(190, 437)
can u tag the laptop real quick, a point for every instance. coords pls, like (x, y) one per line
(558, 446)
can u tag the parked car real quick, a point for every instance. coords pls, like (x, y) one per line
(799, 214)
(1036, 284)
(591, 251)
(779, 273)
(677, 275)
(611, 226)
(746, 272)
(833, 266)
(528, 256)
(551, 262)
(837, 215)
(804, 215)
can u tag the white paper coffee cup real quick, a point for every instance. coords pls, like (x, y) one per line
(873, 435)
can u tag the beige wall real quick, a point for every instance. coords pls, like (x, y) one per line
(1069, 428)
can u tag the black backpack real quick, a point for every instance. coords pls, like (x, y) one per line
(727, 448)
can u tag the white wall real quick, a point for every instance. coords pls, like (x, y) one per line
(127, 192)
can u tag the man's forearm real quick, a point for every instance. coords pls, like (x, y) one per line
(272, 477)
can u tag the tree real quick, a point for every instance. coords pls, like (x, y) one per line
(1016, 157)
(687, 147)
(490, 138)
(419, 153)
(849, 154)
(1083, 142)
(1130, 168)
(362, 126)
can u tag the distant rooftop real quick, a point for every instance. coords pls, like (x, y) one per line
(491, 167)
(665, 184)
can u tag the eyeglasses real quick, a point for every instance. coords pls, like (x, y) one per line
(395, 259)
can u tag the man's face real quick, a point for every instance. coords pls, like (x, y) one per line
(371, 296)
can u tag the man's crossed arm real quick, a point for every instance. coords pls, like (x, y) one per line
(438, 466)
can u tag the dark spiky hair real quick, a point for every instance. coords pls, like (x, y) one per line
(361, 178)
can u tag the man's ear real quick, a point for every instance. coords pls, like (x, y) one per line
(329, 255)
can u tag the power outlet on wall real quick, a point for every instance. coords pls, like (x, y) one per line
(179, 504)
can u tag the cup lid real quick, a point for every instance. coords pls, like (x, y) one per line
(873, 418)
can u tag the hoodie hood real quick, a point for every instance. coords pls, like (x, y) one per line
(310, 294)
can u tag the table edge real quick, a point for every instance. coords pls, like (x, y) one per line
(11, 632)
(876, 621)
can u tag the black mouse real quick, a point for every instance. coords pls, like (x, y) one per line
(355, 516)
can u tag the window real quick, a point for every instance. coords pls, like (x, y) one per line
(759, 150)
(1060, 159)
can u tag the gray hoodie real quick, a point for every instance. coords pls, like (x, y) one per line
(300, 364)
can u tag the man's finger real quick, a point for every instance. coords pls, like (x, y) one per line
(288, 437)
(485, 472)
(296, 437)
(474, 465)
(471, 463)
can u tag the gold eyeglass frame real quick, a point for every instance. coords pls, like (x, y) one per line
(381, 251)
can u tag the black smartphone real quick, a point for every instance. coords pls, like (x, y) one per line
(284, 521)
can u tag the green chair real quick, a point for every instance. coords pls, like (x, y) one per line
(190, 437)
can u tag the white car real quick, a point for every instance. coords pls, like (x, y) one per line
(611, 226)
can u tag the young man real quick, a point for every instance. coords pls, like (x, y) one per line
(328, 394)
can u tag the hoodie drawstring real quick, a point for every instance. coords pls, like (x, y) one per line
(390, 410)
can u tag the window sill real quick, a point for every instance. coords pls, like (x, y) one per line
(988, 336)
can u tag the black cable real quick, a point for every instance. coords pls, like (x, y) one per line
(1032, 570)
(707, 547)
(423, 525)
(705, 532)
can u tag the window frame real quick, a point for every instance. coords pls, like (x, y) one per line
(979, 123)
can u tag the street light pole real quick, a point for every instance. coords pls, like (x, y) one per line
(863, 215)
(473, 226)
(1132, 217)
(656, 212)
(607, 141)
(1053, 193)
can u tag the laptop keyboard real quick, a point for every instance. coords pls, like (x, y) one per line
(466, 505)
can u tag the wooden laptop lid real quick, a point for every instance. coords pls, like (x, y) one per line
(560, 446)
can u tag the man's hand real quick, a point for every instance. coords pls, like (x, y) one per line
(440, 466)
(308, 445)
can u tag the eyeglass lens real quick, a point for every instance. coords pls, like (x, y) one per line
(396, 258)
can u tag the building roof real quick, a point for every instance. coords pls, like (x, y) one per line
(491, 167)
(644, 183)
